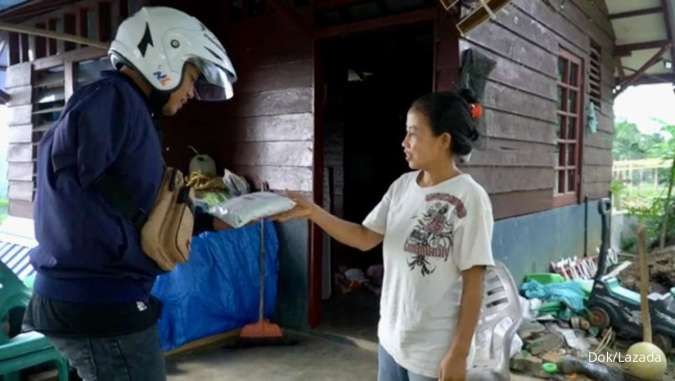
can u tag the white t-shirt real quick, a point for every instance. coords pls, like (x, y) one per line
(431, 234)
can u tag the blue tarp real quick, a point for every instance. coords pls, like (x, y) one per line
(570, 293)
(218, 288)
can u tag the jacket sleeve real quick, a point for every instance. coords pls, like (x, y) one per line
(95, 133)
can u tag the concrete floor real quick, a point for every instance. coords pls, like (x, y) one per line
(315, 357)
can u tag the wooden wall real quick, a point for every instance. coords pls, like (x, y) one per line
(20, 152)
(266, 132)
(515, 163)
(41, 67)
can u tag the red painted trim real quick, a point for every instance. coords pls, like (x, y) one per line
(571, 197)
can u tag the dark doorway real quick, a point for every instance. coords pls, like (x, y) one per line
(370, 80)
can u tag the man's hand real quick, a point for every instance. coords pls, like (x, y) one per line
(453, 368)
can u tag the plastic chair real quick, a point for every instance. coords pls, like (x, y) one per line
(500, 318)
(26, 349)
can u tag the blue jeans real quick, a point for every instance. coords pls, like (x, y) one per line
(133, 357)
(389, 370)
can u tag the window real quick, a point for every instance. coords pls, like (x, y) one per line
(570, 87)
(48, 101)
(595, 75)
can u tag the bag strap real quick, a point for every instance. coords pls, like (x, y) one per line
(120, 198)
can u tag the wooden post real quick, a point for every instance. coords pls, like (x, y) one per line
(69, 78)
(644, 287)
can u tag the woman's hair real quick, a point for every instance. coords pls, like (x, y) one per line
(454, 113)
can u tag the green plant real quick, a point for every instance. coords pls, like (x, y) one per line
(652, 216)
(617, 187)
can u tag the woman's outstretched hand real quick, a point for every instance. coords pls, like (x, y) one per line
(303, 208)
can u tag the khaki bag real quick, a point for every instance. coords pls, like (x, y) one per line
(166, 235)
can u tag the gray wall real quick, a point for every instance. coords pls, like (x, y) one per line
(529, 243)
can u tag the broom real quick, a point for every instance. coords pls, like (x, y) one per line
(263, 332)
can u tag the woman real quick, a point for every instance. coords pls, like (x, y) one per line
(436, 224)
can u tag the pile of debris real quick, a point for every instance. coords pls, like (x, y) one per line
(549, 342)
(559, 341)
(661, 270)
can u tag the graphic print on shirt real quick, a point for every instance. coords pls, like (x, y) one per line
(432, 236)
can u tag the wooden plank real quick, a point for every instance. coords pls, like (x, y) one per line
(520, 23)
(505, 205)
(14, 46)
(20, 133)
(206, 343)
(278, 44)
(597, 16)
(637, 12)
(81, 54)
(19, 75)
(552, 20)
(278, 177)
(643, 69)
(517, 145)
(600, 139)
(509, 179)
(20, 153)
(69, 27)
(296, 154)
(596, 156)
(627, 49)
(274, 128)
(20, 96)
(503, 125)
(407, 18)
(500, 97)
(516, 74)
(20, 171)
(20, 208)
(574, 15)
(503, 158)
(597, 174)
(507, 44)
(294, 74)
(595, 190)
(446, 56)
(25, 47)
(20, 115)
(605, 123)
(276, 102)
(104, 21)
(69, 78)
(20, 190)
(667, 12)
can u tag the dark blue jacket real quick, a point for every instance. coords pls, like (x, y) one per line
(88, 252)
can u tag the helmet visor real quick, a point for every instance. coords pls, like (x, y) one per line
(214, 83)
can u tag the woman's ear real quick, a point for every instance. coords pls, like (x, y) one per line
(446, 140)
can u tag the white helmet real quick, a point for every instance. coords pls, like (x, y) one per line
(158, 41)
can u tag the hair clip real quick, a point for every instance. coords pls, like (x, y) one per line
(476, 110)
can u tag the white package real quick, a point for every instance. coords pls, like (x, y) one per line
(241, 210)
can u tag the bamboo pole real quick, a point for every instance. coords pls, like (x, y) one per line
(644, 287)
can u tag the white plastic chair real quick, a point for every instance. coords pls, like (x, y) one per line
(500, 318)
